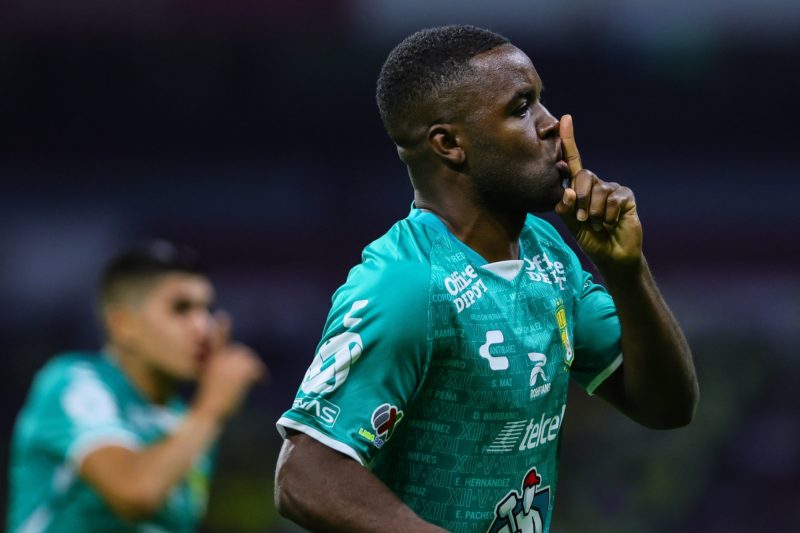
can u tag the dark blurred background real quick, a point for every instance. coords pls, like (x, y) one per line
(248, 129)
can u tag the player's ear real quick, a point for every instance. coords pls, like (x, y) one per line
(120, 322)
(444, 141)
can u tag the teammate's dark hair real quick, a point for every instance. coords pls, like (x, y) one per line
(427, 62)
(143, 262)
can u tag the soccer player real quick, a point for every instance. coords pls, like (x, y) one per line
(438, 393)
(103, 443)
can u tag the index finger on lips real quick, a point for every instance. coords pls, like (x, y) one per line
(222, 331)
(568, 146)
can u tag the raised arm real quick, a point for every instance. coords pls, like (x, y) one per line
(135, 483)
(324, 490)
(656, 384)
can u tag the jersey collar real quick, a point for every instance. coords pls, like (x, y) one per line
(434, 222)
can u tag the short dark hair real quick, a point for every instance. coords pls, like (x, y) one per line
(142, 263)
(425, 63)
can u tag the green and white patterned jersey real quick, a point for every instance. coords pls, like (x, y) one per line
(447, 376)
(79, 402)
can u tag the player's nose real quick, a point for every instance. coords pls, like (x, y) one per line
(200, 324)
(546, 123)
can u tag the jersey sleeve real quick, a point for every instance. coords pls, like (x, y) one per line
(596, 333)
(369, 363)
(73, 413)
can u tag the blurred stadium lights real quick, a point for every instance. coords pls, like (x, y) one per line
(648, 21)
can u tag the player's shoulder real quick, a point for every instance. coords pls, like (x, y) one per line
(396, 263)
(407, 241)
(69, 383)
(69, 363)
(68, 367)
(392, 281)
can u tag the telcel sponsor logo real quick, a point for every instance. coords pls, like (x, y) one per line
(321, 409)
(527, 434)
(543, 431)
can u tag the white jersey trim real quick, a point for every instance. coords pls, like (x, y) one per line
(93, 440)
(507, 270)
(317, 435)
(602, 376)
(37, 521)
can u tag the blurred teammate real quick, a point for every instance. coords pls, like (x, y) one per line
(102, 442)
(438, 392)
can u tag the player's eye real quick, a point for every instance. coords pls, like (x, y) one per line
(524, 109)
(181, 307)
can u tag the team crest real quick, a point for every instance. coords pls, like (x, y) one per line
(524, 511)
(561, 319)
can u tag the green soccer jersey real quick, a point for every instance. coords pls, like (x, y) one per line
(447, 376)
(79, 402)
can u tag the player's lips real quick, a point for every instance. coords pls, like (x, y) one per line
(559, 152)
(562, 167)
(563, 172)
(202, 353)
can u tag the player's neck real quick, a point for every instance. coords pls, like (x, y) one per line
(152, 384)
(492, 234)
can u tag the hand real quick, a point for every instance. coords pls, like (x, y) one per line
(601, 215)
(229, 373)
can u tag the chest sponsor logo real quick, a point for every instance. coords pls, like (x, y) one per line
(332, 363)
(499, 362)
(528, 434)
(541, 269)
(540, 384)
(523, 511)
(466, 288)
(324, 411)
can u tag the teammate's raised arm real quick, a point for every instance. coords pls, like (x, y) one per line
(109, 425)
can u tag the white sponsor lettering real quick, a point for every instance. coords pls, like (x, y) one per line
(540, 268)
(543, 431)
(466, 287)
(458, 281)
(528, 434)
(325, 411)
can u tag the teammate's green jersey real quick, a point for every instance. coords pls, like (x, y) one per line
(79, 402)
(447, 376)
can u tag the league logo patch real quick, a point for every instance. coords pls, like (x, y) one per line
(384, 420)
(524, 511)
